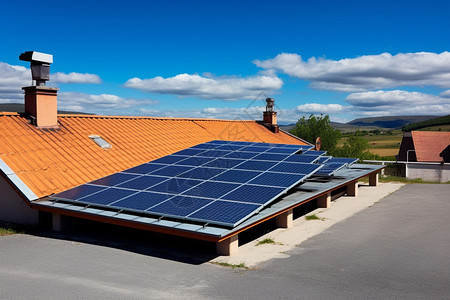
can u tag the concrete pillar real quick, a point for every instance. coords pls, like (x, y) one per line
(59, 222)
(228, 247)
(324, 201)
(285, 220)
(352, 189)
(373, 179)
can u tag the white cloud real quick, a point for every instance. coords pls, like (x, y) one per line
(320, 108)
(12, 79)
(75, 78)
(222, 88)
(366, 72)
(445, 94)
(398, 102)
(99, 104)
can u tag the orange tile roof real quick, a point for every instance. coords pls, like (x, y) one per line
(429, 144)
(50, 161)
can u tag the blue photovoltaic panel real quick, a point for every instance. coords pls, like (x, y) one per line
(189, 151)
(314, 153)
(107, 196)
(114, 179)
(169, 159)
(211, 189)
(241, 155)
(194, 161)
(323, 159)
(141, 201)
(79, 192)
(213, 153)
(179, 206)
(204, 146)
(201, 173)
(144, 168)
(330, 168)
(171, 171)
(271, 157)
(225, 212)
(343, 160)
(229, 148)
(224, 163)
(233, 181)
(301, 158)
(283, 150)
(278, 179)
(254, 194)
(239, 176)
(258, 149)
(296, 168)
(256, 165)
(175, 185)
(142, 182)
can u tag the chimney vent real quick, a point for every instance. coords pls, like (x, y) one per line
(270, 116)
(40, 100)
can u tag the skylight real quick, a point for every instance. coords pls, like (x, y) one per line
(100, 141)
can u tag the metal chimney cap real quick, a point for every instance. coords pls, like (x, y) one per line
(36, 57)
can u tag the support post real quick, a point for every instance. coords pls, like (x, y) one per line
(352, 188)
(59, 222)
(324, 201)
(229, 246)
(286, 219)
(373, 179)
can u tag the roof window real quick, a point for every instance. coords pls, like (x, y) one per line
(100, 141)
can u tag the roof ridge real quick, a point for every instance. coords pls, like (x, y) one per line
(148, 118)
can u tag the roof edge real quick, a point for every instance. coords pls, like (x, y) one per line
(17, 182)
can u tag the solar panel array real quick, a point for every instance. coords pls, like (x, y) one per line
(218, 182)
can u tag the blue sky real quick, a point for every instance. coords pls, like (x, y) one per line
(347, 59)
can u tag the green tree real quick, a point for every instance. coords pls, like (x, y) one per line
(355, 146)
(313, 127)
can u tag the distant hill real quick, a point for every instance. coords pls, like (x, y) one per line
(390, 122)
(439, 121)
(20, 108)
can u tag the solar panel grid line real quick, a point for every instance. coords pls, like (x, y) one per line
(113, 204)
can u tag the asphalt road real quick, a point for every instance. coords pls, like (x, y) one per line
(398, 248)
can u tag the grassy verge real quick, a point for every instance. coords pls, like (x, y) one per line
(266, 241)
(5, 230)
(313, 217)
(224, 264)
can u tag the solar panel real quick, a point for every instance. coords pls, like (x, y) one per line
(106, 196)
(211, 189)
(239, 176)
(256, 165)
(142, 182)
(179, 206)
(171, 170)
(201, 173)
(330, 168)
(254, 194)
(277, 179)
(220, 182)
(141, 201)
(323, 159)
(314, 152)
(225, 212)
(295, 168)
(114, 179)
(175, 185)
(144, 168)
(301, 158)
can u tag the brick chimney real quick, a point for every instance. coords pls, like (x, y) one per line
(41, 106)
(40, 100)
(270, 116)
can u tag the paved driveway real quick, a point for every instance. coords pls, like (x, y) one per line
(398, 248)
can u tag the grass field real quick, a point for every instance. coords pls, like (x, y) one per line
(436, 128)
(383, 145)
